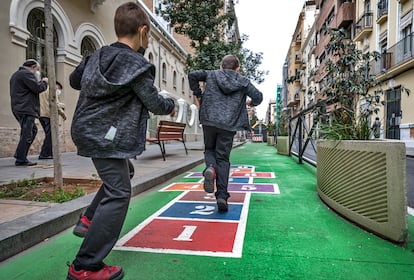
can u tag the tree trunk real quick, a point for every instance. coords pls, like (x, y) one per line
(54, 118)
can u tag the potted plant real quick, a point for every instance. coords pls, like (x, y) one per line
(282, 137)
(362, 179)
(271, 127)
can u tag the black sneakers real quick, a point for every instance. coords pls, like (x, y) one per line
(45, 157)
(25, 163)
(209, 177)
(222, 205)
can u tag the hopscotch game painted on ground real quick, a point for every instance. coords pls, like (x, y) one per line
(191, 224)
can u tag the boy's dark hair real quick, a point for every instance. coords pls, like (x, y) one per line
(128, 18)
(230, 62)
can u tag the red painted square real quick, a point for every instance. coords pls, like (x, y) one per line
(186, 235)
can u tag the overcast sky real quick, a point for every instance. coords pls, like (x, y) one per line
(270, 25)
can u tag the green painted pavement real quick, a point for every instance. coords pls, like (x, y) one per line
(292, 235)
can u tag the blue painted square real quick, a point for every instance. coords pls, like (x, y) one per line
(241, 166)
(200, 210)
(239, 180)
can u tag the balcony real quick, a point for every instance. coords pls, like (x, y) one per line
(382, 11)
(345, 15)
(395, 60)
(363, 27)
(303, 65)
(298, 59)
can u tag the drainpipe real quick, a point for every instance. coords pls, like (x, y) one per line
(159, 64)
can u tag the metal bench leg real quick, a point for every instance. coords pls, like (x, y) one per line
(163, 150)
(185, 148)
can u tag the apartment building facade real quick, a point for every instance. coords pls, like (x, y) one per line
(384, 26)
(297, 60)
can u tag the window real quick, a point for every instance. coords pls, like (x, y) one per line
(183, 86)
(164, 73)
(385, 57)
(36, 43)
(175, 80)
(367, 6)
(406, 35)
(87, 47)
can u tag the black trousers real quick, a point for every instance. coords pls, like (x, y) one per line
(28, 131)
(218, 144)
(46, 150)
(106, 212)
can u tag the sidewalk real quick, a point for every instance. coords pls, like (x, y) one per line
(289, 234)
(24, 223)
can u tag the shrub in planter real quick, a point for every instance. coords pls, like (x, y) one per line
(349, 172)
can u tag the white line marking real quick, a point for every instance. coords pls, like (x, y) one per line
(410, 211)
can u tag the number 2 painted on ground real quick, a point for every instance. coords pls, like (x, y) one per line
(203, 210)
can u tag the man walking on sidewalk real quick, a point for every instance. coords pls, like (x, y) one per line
(223, 112)
(117, 90)
(25, 86)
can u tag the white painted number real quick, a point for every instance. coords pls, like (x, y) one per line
(192, 187)
(186, 234)
(203, 210)
(248, 188)
(209, 196)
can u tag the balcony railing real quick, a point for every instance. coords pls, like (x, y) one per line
(398, 54)
(363, 26)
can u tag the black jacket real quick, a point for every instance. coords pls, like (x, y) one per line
(116, 91)
(223, 102)
(24, 92)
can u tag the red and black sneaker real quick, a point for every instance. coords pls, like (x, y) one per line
(105, 273)
(209, 177)
(82, 226)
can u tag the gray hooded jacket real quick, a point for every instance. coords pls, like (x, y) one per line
(116, 91)
(223, 102)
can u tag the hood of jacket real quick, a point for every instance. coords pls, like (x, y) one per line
(230, 81)
(112, 70)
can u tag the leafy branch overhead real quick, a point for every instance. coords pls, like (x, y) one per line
(205, 24)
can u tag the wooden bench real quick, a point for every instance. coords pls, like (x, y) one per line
(167, 131)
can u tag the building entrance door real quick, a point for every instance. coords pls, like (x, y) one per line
(393, 113)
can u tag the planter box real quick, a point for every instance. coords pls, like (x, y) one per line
(270, 140)
(365, 181)
(282, 145)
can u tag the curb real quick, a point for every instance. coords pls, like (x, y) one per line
(25, 232)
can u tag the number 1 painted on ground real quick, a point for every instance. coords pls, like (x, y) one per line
(186, 234)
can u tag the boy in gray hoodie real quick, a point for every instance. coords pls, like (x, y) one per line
(223, 111)
(109, 125)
